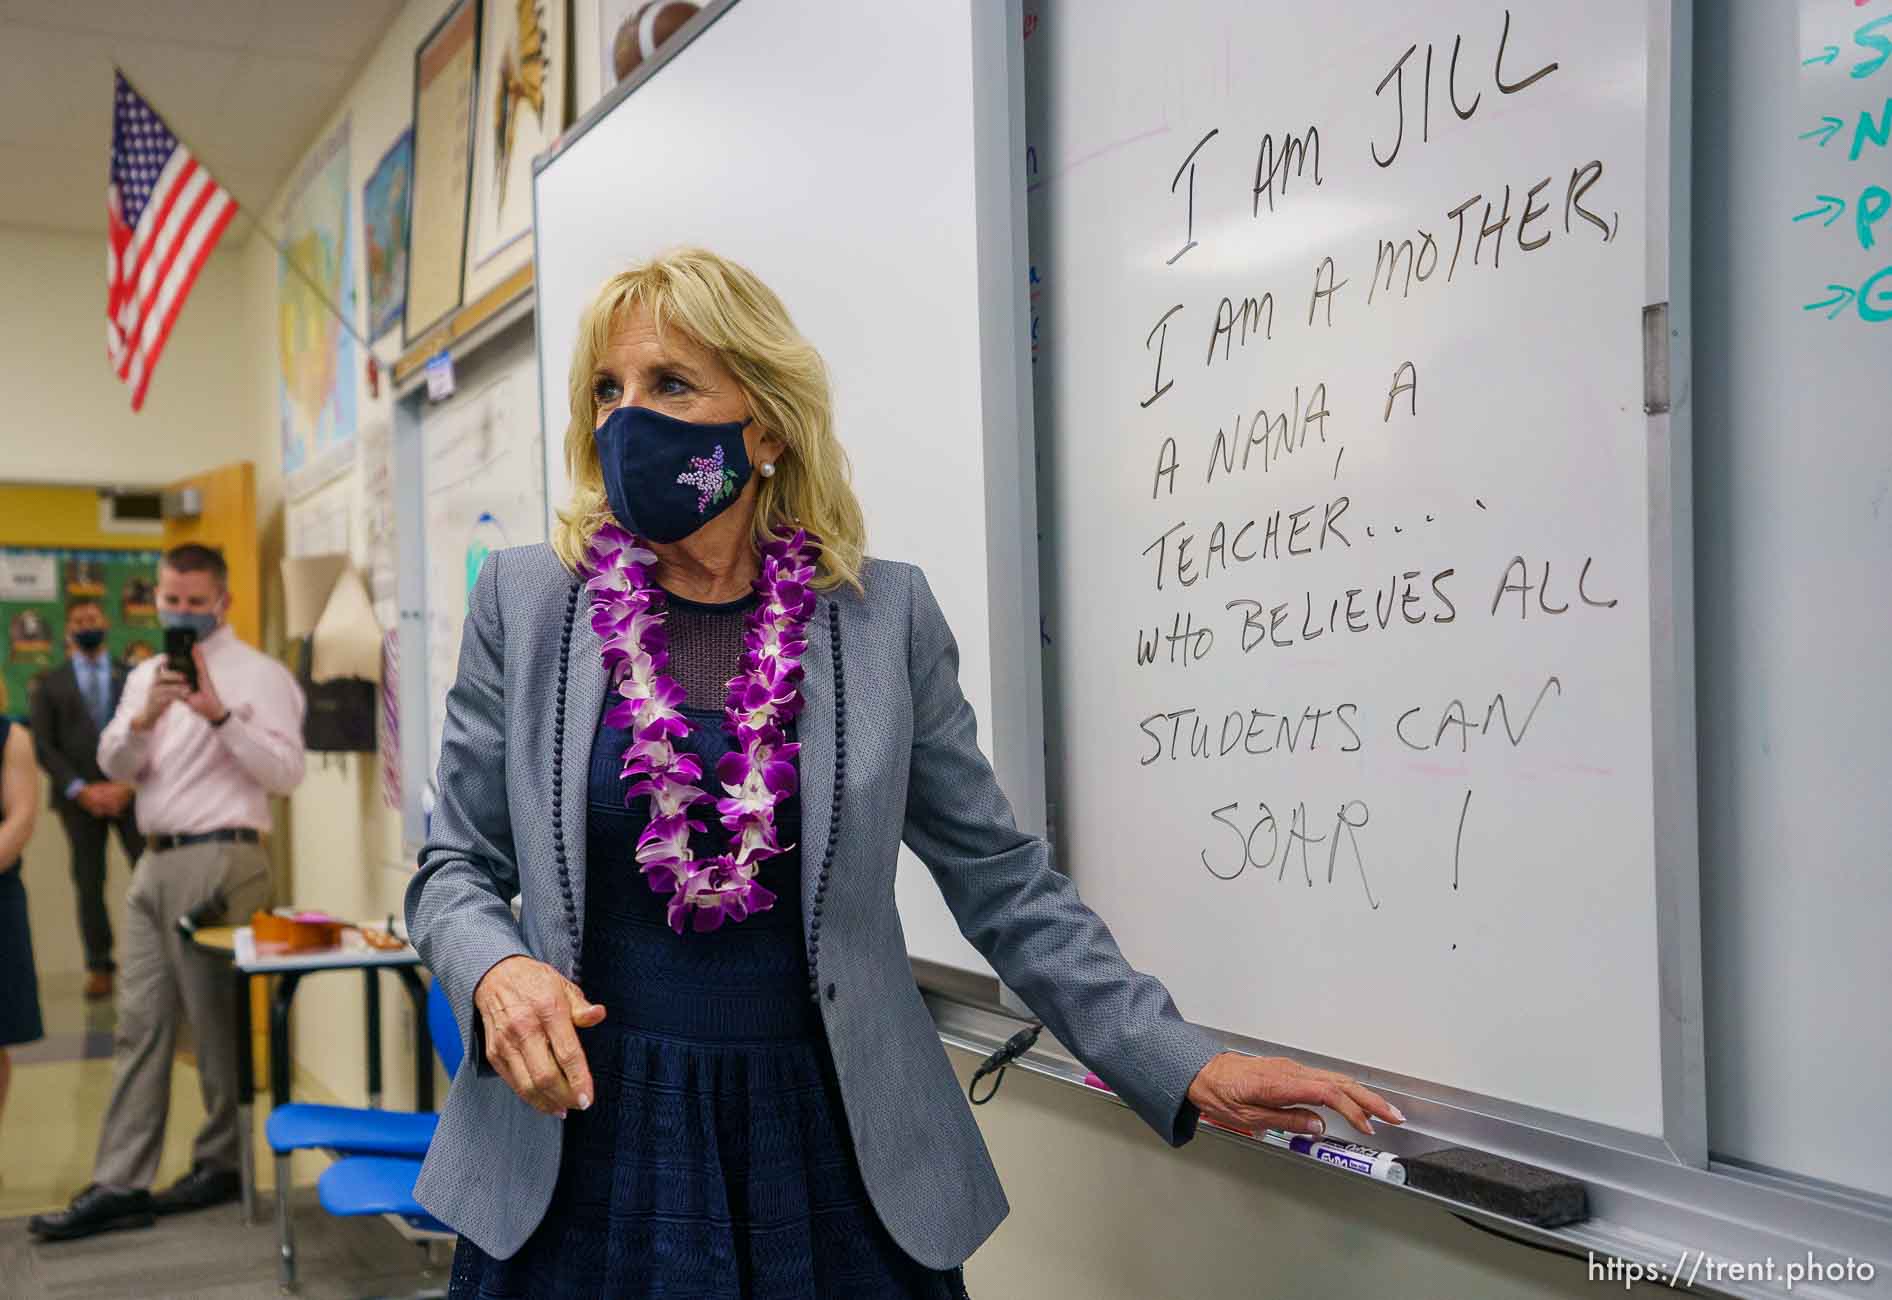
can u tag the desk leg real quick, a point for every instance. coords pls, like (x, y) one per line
(246, 1098)
(423, 1057)
(368, 974)
(279, 1037)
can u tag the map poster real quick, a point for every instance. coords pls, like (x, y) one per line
(384, 212)
(42, 584)
(444, 68)
(313, 282)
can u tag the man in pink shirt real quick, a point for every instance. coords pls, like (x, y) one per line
(205, 758)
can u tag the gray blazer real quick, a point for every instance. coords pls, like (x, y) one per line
(888, 747)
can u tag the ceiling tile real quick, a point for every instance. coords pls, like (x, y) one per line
(186, 85)
(343, 31)
(55, 89)
(229, 24)
(246, 84)
(273, 110)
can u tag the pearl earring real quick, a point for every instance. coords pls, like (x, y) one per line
(768, 469)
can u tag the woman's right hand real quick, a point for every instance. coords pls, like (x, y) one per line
(530, 1012)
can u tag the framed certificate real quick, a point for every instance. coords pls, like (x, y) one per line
(444, 69)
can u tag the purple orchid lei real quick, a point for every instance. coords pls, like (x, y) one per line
(764, 697)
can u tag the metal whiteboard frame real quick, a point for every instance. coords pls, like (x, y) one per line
(410, 500)
(1666, 354)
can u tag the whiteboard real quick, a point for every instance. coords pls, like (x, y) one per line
(1794, 562)
(482, 490)
(887, 220)
(1373, 721)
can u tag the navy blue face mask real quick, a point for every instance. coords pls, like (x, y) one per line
(664, 477)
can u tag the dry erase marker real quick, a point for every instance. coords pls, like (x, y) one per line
(1383, 1165)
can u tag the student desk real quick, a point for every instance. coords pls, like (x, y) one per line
(235, 943)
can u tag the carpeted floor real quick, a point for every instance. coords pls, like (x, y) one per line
(212, 1256)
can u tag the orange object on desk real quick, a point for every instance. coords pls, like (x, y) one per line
(284, 934)
(381, 940)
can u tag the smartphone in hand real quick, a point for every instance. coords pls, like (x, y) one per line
(178, 644)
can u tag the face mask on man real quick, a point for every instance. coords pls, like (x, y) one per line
(89, 639)
(664, 477)
(202, 624)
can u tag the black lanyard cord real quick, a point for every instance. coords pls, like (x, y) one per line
(1015, 1046)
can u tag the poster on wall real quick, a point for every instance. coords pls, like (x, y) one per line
(521, 96)
(614, 37)
(314, 281)
(319, 525)
(384, 213)
(29, 576)
(36, 588)
(380, 520)
(444, 69)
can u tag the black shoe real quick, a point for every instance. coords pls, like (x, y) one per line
(200, 1189)
(96, 1209)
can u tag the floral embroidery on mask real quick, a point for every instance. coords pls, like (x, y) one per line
(712, 479)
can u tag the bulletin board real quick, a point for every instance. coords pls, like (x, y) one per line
(37, 584)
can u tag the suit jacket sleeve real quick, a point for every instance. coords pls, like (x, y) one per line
(1026, 916)
(46, 734)
(458, 904)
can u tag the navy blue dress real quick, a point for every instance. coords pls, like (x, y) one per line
(19, 982)
(714, 1163)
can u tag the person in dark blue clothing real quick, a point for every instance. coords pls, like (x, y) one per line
(714, 1159)
(19, 982)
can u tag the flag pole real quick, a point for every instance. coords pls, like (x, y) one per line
(256, 224)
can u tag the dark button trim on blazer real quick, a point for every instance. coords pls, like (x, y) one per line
(834, 814)
(558, 787)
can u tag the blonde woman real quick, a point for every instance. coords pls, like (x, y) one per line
(689, 737)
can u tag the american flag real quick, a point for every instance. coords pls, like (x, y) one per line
(165, 215)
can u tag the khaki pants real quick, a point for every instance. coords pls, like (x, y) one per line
(162, 975)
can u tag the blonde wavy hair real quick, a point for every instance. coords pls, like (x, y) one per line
(726, 308)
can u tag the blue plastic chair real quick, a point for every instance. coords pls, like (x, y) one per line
(361, 1185)
(357, 1131)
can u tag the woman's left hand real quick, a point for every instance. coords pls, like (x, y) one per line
(1247, 1093)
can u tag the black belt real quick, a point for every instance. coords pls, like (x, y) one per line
(229, 835)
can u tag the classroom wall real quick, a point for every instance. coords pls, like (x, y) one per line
(343, 843)
(65, 419)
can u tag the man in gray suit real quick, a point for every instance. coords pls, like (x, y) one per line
(70, 710)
